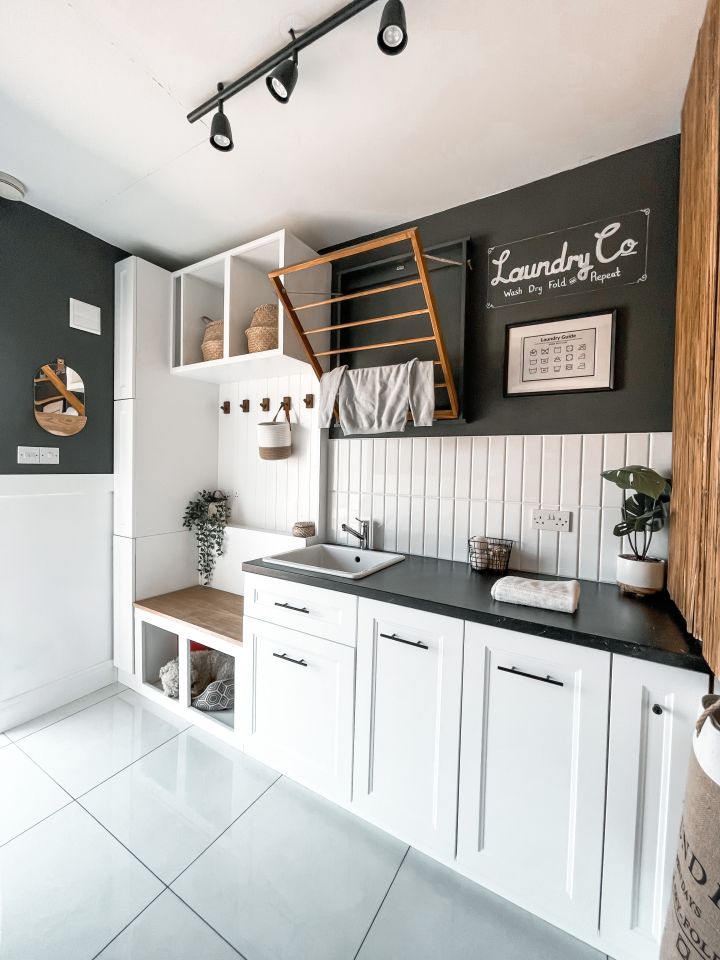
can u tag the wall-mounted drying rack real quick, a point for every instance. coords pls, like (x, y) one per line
(411, 236)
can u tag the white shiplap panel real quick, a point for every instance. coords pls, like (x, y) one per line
(448, 453)
(592, 466)
(514, 464)
(463, 468)
(496, 468)
(478, 480)
(532, 469)
(418, 467)
(551, 462)
(614, 448)
(637, 449)
(571, 470)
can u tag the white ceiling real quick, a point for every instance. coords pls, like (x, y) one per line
(489, 94)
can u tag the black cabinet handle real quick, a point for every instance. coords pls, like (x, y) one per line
(284, 656)
(287, 606)
(532, 676)
(411, 643)
(657, 709)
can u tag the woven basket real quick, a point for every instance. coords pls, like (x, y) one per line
(214, 329)
(265, 315)
(261, 338)
(212, 341)
(212, 349)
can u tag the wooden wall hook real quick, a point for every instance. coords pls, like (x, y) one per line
(287, 404)
(225, 406)
(309, 401)
(245, 406)
(265, 404)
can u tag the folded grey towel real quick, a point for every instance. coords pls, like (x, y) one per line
(562, 595)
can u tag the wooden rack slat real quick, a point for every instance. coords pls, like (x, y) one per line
(364, 323)
(277, 278)
(360, 293)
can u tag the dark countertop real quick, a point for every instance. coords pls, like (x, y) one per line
(650, 629)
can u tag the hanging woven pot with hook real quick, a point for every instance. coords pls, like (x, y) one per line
(274, 437)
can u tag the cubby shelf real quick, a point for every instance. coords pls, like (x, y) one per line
(229, 287)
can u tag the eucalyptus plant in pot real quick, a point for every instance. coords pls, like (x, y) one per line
(208, 515)
(645, 494)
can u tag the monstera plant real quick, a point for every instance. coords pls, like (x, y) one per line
(645, 495)
(208, 515)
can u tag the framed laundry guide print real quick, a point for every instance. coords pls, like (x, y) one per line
(565, 355)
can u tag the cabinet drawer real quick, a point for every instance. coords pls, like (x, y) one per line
(302, 693)
(322, 613)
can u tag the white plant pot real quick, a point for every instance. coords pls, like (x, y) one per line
(640, 576)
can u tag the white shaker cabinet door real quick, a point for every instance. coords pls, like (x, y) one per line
(124, 460)
(532, 772)
(407, 723)
(654, 708)
(123, 598)
(125, 328)
(299, 692)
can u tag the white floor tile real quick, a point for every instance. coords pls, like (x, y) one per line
(169, 806)
(168, 929)
(433, 912)
(27, 796)
(39, 723)
(67, 888)
(4, 742)
(294, 877)
(88, 747)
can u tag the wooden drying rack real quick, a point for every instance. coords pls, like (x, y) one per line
(412, 236)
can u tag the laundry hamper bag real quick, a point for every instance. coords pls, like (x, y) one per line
(692, 929)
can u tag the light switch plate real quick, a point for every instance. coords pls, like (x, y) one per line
(84, 316)
(557, 520)
(49, 455)
(27, 455)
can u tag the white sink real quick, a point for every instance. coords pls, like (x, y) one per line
(335, 561)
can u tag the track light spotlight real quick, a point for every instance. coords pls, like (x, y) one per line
(281, 82)
(220, 132)
(392, 35)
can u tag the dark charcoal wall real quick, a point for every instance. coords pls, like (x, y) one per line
(44, 262)
(646, 176)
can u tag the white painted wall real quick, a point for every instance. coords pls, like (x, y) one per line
(428, 496)
(55, 590)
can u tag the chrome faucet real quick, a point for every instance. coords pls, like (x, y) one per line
(364, 536)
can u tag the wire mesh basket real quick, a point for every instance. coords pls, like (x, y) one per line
(489, 554)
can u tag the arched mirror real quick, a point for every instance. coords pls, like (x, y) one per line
(59, 399)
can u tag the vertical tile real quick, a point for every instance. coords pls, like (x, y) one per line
(614, 448)
(354, 474)
(571, 470)
(405, 466)
(529, 541)
(532, 469)
(379, 456)
(432, 471)
(496, 468)
(589, 546)
(419, 448)
(332, 524)
(417, 525)
(390, 532)
(353, 513)
(637, 449)
(403, 525)
(568, 547)
(514, 456)
(478, 480)
(463, 468)
(343, 465)
(366, 506)
(445, 534)
(610, 546)
(548, 552)
(512, 528)
(478, 518)
(462, 530)
(495, 517)
(551, 456)
(432, 518)
(366, 466)
(392, 458)
(591, 482)
(661, 453)
(448, 449)
(378, 519)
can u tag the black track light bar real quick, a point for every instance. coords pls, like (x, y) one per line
(290, 50)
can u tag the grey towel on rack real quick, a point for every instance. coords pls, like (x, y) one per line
(376, 399)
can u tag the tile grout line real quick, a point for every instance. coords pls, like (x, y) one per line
(367, 932)
(66, 717)
(206, 922)
(124, 846)
(37, 824)
(129, 924)
(241, 814)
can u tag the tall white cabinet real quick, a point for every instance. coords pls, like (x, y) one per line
(165, 449)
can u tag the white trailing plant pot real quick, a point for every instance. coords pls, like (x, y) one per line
(274, 440)
(640, 576)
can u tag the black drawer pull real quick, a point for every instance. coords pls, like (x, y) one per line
(284, 656)
(657, 709)
(411, 643)
(287, 606)
(532, 676)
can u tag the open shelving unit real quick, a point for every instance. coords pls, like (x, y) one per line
(229, 287)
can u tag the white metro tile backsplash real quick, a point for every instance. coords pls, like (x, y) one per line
(427, 496)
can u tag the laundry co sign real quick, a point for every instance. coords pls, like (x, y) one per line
(591, 256)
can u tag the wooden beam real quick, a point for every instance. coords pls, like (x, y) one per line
(363, 323)
(374, 346)
(356, 249)
(360, 293)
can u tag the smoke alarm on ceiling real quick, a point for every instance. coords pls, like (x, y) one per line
(10, 188)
